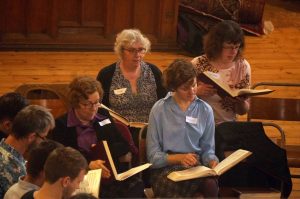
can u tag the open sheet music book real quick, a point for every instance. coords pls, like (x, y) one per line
(203, 171)
(123, 119)
(126, 174)
(90, 183)
(223, 89)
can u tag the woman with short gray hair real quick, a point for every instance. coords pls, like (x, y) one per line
(131, 85)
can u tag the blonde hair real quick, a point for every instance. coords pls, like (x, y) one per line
(127, 38)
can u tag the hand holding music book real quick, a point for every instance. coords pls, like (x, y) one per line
(126, 174)
(123, 119)
(202, 171)
(223, 89)
(90, 183)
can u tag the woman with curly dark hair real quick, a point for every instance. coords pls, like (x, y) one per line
(223, 47)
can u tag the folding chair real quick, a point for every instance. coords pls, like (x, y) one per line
(124, 130)
(278, 109)
(145, 175)
(51, 96)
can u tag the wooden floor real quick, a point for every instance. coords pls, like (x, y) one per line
(273, 57)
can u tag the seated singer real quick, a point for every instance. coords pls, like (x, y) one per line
(131, 85)
(84, 126)
(180, 135)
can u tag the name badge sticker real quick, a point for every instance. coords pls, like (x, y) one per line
(191, 120)
(104, 122)
(120, 91)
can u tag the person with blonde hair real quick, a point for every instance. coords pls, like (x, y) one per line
(131, 85)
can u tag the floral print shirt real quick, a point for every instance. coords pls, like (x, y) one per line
(12, 166)
(238, 76)
(135, 107)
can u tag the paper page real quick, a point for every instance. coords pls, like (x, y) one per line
(231, 160)
(116, 115)
(191, 173)
(124, 175)
(133, 171)
(252, 92)
(90, 183)
(137, 124)
(216, 79)
(111, 162)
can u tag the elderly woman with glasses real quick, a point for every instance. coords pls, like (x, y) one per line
(131, 85)
(223, 47)
(85, 125)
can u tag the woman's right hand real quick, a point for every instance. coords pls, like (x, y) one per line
(185, 159)
(205, 90)
(99, 164)
(189, 159)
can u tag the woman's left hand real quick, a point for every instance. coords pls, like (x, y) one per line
(241, 104)
(213, 164)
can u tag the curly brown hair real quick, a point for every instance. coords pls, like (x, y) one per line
(80, 89)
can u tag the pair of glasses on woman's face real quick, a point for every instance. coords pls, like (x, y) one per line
(90, 105)
(231, 46)
(140, 51)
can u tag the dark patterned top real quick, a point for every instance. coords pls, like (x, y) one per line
(12, 166)
(237, 76)
(134, 106)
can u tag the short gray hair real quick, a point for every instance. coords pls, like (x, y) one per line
(129, 36)
(32, 119)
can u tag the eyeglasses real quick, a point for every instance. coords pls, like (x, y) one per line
(90, 105)
(41, 137)
(136, 51)
(233, 47)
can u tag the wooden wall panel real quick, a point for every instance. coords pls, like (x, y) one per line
(146, 16)
(13, 16)
(122, 18)
(85, 23)
(69, 13)
(93, 14)
(168, 20)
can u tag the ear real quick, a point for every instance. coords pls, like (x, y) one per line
(31, 137)
(65, 181)
(6, 125)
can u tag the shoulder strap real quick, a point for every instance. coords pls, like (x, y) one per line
(28, 195)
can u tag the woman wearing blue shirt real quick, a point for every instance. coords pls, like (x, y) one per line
(180, 135)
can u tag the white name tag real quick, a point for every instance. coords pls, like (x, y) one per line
(191, 120)
(104, 122)
(120, 91)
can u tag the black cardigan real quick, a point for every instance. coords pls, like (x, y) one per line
(105, 77)
(109, 132)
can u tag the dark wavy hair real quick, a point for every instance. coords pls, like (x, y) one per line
(10, 104)
(226, 31)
